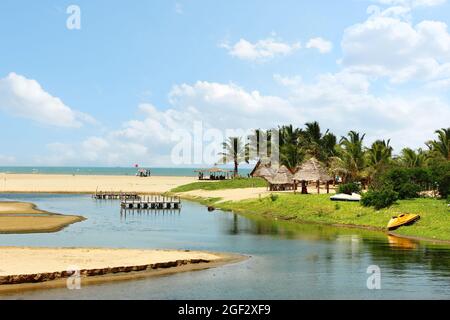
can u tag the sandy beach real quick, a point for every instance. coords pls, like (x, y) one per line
(88, 184)
(238, 194)
(23, 217)
(23, 265)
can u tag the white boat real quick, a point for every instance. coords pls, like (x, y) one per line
(346, 197)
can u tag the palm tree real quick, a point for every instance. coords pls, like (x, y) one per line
(291, 154)
(442, 145)
(315, 144)
(350, 162)
(234, 151)
(412, 159)
(378, 156)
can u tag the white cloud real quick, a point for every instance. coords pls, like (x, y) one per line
(391, 46)
(343, 101)
(262, 50)
(412, 3)
(322, 45)
(179, 8)
(26, 98)
(7, 160)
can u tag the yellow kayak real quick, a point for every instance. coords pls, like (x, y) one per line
(402, 220)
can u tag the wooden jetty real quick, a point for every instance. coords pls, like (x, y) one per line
(115, 196)
(152, 203)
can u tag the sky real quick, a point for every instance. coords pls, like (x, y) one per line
(114, 83)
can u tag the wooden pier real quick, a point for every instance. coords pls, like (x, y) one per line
(152, 203)
(115, 196)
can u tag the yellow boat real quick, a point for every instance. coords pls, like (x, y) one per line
(402, 220)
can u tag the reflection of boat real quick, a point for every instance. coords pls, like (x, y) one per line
(346, 197)
(402, 243)
(402, 220)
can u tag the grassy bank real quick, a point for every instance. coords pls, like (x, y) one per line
(222, 185)
(434, 222)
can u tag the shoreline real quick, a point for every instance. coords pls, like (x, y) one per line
(27, 218)
(158, 263)
(85, 184)
(248, 213)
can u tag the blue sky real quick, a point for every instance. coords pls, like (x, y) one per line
(113, 92)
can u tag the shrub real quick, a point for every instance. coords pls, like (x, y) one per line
(407, 182)
(380, 199)
(349, 188)
(273, 197)
(444, 186)
(440, 174)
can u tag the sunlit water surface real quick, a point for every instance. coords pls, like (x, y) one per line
(288, 261)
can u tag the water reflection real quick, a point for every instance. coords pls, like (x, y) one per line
(289, 260)
(397, 253)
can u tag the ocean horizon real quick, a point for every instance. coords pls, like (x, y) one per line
(108, 171)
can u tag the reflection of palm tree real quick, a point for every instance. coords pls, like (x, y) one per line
(442, 145)
(234, 151)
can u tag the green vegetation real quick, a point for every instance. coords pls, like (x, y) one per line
(349, 188)
(434, 223)
(237, 183)
(397, 183)
(379, 199)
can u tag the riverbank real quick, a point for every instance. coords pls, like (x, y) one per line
(49, 183)
(434, 224)
(36, 268)
(22, 217)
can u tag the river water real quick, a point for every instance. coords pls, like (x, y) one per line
(287, 260)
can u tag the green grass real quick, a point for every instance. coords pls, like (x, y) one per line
(223, 184)
(434, 222)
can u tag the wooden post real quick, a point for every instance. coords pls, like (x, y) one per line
(318, 186)
(304, 188)
(328, 187)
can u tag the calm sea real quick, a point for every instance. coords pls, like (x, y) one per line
(118, 171)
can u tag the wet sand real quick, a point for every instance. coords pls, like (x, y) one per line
(22, 217)
(37, 268)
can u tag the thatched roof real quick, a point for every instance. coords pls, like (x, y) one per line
(282, 176)
(263, 170)
(214, 170)
(312, 170)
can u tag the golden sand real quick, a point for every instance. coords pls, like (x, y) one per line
(22, 217)
(36, 183)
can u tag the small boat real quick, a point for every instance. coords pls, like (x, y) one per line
(402, 220)
(346, 197)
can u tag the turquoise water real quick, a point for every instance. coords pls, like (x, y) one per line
(185, 172)
(287, 261)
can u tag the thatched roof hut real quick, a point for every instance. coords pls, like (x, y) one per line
(312, 170)
(263, 170)
(282, 180)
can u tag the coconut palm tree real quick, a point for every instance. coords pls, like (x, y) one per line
(350, 162)
(442, 145)
(290, 150)
(412, 159)
(378, 156)
(234, 151)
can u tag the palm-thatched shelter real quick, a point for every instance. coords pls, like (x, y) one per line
(263, 170)
(214, 174)
(282, 180)
(312, 171)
